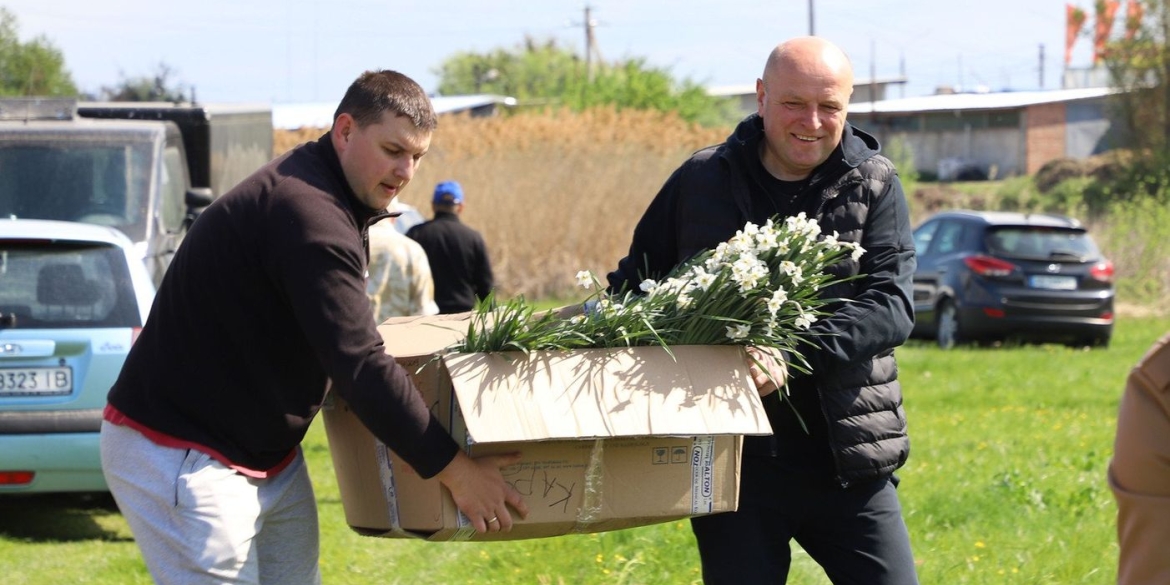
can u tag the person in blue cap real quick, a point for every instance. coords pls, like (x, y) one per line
(458, 255)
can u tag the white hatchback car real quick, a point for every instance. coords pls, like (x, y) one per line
(73, 298)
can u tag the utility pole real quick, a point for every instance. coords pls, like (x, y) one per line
(812, 31)
(592, 53)
(1041, 65)
(873, 97)
(902, 74)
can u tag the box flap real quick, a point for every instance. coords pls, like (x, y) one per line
(590, 393)
(421, 336)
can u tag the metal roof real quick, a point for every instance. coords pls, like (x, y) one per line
(977, 101)
(320, 114)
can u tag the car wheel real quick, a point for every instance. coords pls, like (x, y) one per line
(948, 332)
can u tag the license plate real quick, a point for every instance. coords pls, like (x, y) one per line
(35, 381)
(1051, 282)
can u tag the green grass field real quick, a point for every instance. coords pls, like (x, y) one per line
(1005, 484)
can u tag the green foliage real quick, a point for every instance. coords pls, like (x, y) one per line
(156, 87)
(1139, 66)
(1017, 194)
(1145, 177)
(1067, 197)
(1136, 237)
(634, 84)
(899, 151)
(33, 68)
(547, 74)
(533, 70)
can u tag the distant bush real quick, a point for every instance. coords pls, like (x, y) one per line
(1017, 194)
(902, 155)
(1057, 171)
(1066, 197)
(1136, 237)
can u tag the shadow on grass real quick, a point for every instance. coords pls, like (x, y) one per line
(58, 517)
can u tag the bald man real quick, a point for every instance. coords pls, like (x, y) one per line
(826, 476)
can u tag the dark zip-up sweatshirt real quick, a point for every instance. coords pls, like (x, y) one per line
(263, 310)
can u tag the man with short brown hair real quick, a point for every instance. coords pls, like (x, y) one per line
(262, 313)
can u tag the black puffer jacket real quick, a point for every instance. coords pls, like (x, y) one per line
(857, 194)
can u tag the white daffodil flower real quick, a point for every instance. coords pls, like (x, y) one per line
(858, 251)
(776, 302)
(704, 280)
(741, 331)
(584, 279)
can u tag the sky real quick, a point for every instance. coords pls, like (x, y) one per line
(294, 51)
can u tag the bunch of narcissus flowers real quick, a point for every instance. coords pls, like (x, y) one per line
(760, 288)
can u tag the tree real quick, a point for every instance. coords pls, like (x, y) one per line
(545, 73)
(33, 68)
(147, 88)
(1139, 68)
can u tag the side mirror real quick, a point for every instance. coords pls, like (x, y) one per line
(199, 197)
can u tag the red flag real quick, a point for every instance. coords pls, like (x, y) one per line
(1133, 19)
(1075, 19)
(1106, 10)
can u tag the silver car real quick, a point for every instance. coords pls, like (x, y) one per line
(73, 298)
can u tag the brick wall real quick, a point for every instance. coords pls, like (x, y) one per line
(1044, 127)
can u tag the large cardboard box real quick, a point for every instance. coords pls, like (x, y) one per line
(610, 438)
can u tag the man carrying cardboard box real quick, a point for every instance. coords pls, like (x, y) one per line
(263, 311)
(831, 486)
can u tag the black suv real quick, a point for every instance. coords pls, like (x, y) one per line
(985, 276)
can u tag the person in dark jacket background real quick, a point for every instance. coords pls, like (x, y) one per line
(831, 488)
(263, 313)
(458, 255)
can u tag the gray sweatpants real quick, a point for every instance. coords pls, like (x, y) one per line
(198, 522)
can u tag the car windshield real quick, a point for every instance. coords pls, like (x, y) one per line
(1042, 243)
(46, 284)
(91, 181)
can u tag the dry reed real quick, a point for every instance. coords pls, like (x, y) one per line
(555, 192)
(552, 192)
